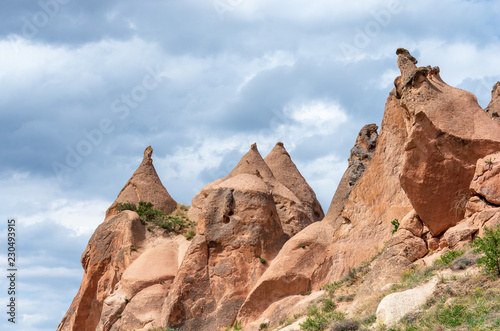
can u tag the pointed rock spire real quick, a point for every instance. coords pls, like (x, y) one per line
(361, 155)
(285, 171)
(493, 108)
(144, 185)
(252, 163)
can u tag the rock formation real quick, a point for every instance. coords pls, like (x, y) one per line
(124, 261)
(106, 257)
(295, 201)
(285, 171)
(483, 208)
(361, 155)
(144, 185)
(324, 251)
(447, 133)
(493, 108)
(263, 248)
(243, 221)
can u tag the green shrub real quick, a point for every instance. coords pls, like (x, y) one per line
(345, 325)
(176, 222)
(190, 235)
(452, 316)
(346, 298)
(395, 222)
(489, 245)
(126, 206)
(328, 305)
(147, 213)
(263, 260)
(447, 258)
(263, 326)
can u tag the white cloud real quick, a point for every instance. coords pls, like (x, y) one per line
(32, 200)
(323, 175)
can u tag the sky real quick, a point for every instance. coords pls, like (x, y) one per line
(87, 85)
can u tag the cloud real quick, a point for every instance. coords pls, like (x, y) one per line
(48, 275)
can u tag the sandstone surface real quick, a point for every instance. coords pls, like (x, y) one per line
(447, 133)
(324, 251)
(106, 257)
(486, 180)
(361, 155)
(493, 108)
(239, 235)
(285, 171)
(144, 185)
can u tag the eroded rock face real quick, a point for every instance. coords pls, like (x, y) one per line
(405, 247)
(285, 171)
(447, 133)
(493, 108)
(144, 185)
(106, 257)
(361, 155)
(295, 201)
(324, 251)
(239, 234)
(482, 210)
(486, 181)
(139, 295)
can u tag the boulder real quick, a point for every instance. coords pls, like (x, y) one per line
(144, 185)
(493, 108)
(447, 133)
(395, 306)
(486, 180)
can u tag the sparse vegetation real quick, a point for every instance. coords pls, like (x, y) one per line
(346, 298)
(466, 303)
(236, 327)
(345, 325)
(263, 326)
(190, 234)
(447, 258)
(263, 260)
(395, 223)
(489, 162)
(176, 222)
(127, 300)
(161, 328)
(489, 245)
